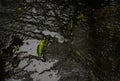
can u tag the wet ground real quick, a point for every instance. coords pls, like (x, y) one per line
(27, 24)
(87, 52)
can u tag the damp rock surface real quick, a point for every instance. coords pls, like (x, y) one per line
(86, 51)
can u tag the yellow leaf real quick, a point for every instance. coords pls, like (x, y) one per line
(19, 9)
(81, 16)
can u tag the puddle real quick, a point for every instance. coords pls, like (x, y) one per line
(44, 72)
(32, 68)
(30, 46)
(57, 35)
(60, 38)
(38, 71)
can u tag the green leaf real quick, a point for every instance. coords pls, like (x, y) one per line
(15, 47)
(70, 25)
(40, 48)
(46, 42)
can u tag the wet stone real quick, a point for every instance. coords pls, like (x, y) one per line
(80, 56)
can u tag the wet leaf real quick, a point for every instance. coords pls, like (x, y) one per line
(46, 42)
(40, 48)
(92, 76)
(15, 47)
(19, 9)
(70, 25)
(81, 16)
(76, 52)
